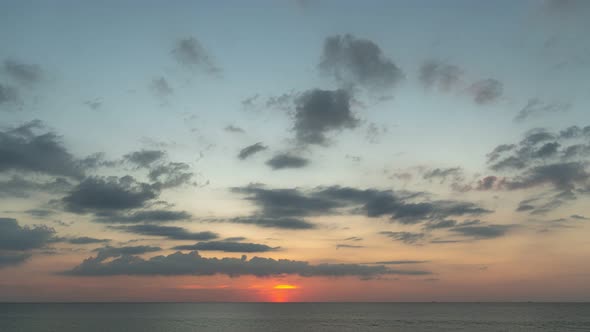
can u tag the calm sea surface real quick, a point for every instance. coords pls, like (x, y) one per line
(172, 317)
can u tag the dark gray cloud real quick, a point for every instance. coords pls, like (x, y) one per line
(145, 158)
(486, 91)
(235, 239)
(284, 161)
(16, 237)
(400, 262)
(191, 53)
(579, 217)
(443, 173)
(85, 240)
(286, 202)
(353, 238)
(563, 176)
(13, 258)
(108, 251)
(27, 74)
(273, 222)
(100, 194)
(447, 223)
(170, 175)
(160, 87)
(8, 96)
(194, 264)
(352, 61)
(334, 200)
(251, 149)
(318, 112)
(536, 107)
(542, 158)
(405, 237)
(171, 232)
(348, 246)
(23, 149)
(441, 75)
(227, 246)
(19, 186)
(482, 231)
(234, 129)
(146, 216)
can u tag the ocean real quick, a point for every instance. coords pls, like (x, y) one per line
(171, 317)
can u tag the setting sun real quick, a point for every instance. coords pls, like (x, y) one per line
(285, 287)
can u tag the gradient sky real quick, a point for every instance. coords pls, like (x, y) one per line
(354, 151)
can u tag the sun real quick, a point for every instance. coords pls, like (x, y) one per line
(285, 286)
(282, 292)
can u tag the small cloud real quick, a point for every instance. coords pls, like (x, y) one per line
(189, 52)
(161, 88)
(486, 91)
(251, 150)
(284, 161)
(234, 129)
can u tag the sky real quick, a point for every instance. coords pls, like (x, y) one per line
(309, 150)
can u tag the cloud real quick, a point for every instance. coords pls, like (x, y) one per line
(536, 107)
(374, 133)
(283, 161)
(405, 237)
(286, 202)
(482, 231)
(251, 149)
(19, 186)
(16, 237)
(318, 112)
(108, 251)
(170, 175)
(23, 149)
(352, 60)
(234, 129)
(194, 264)
(163, 174)
(273, 222)
(96, 194)
(563, 176)
(40, 213)
(542, 158)
(227, 246)
(400, 262)
(145, 158)
(335, 200)
(94, 104)
(447, 223)
(348, 246)
(171, 232)
(8, 95)
(486, 91)
(160, 87)
(85, 240)
(145, 216)
(441, 75)
(443, 173)
(26, 74)
(189, 52)
(13, 258)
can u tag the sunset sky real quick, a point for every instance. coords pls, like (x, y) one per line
(295, 150)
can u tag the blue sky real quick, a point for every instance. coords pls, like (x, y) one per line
(429, 90)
